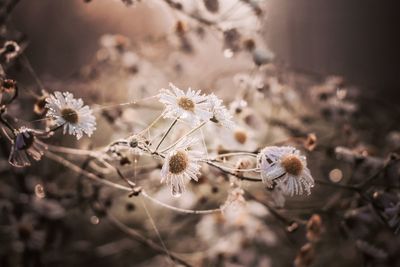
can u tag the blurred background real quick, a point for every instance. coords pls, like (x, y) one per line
(321, 76)
(358, 40)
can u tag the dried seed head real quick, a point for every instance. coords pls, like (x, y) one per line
(8, 85)
(70, 115)
(178, 162)
(186, 104)
(10, 50)
(8, 91)
(211, 5)
(292, 164)
(240, 137)
(314, 228)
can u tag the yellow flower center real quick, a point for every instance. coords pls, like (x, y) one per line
(178, 162)
(186, 104)
(292, 164)
(69, 115)
(240, 137)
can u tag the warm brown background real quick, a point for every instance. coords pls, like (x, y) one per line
(357, 39)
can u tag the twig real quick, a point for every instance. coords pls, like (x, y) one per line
(132, 233)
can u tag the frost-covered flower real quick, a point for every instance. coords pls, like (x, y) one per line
(71, 113)
(181, 165)
(190, 106)
(287, 168)
(26, 144)
(220, 114)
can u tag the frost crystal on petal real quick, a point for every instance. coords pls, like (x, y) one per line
(285, 167)
(71, 113)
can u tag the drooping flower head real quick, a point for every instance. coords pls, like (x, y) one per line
(287, 168)
(220, 114)
(190, 106)
(26, 144)
(180, 166)
(71, 113)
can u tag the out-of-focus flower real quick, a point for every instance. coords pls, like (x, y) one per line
(262, 56)
(25, 144)
(394, 217)
(40, 105)
(10, 50)
(232, 40)
(238, 106)
(235, 200)
(181, 165)
(371, 250)
(239, 138)
(190, 106)
(305, 256)
(71, 114)
(286, 167)
(220, 114)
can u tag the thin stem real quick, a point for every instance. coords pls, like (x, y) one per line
(151, 125)
(32, 72)
(74, 151)
(7, 124)
(166, 133)
(234, 169)
(96, 178)
(234, 154)
(224, 170)
(187, 134)
(89, 175)
(143, 193)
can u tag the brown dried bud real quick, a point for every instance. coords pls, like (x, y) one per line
(314, 228)
(249, 44)
(305, 256)
(292, 227)
(181, 27)
(310, 142)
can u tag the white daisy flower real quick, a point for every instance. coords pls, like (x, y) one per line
(287, 168)
(220, 114)
(190, 106)
(71, 113)
(181, 165)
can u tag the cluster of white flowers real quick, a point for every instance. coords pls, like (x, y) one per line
(194, 107)
(280, 167)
